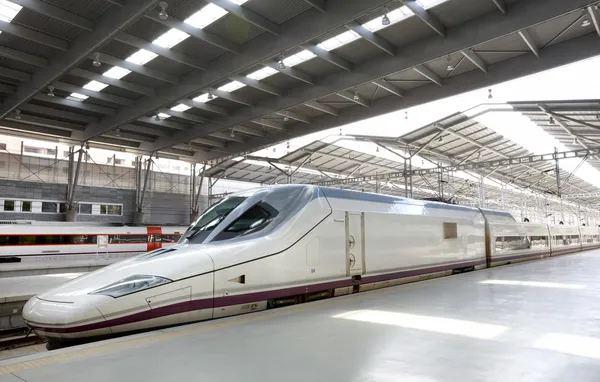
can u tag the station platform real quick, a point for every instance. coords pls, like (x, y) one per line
(535, 321)
(45, 267)
(16, 291)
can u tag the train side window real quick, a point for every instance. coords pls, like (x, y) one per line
(122, 239)
(450, 231)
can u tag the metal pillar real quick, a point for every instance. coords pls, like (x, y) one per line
(557, 169)
(410, 182)
(138, 216)
(405, 176)
(71, 211)
(196, 194)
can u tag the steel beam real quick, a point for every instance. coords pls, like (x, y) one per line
(595, 16)
(75, 104)
(173, 55)
(262, 86)
(141, 69)
(92, 94)
(306, 27)
(295, 116)
(321, 107)
(56, 13)
(204, 105)
(200, 34)
(14, 74)
(351, 97)
(471, 166)
(112, 81)
(232, 97)
(371, 37)
(248, 15)
(529, 41)
(23, 57)
(429, 74)
(35, 36)
(427, 17)
(328, 56)
(389, 87)
(290, 71)
(561, 54)
(87, 42)
(502, 6)
(475, 59)
(318, 4)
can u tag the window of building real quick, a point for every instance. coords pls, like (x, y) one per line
(102, 209)
(51, 152)
(26, 206)
(9, 205)
(114, 210)
(85, 208)
(2, 146)
(49, 207)
(32, 149)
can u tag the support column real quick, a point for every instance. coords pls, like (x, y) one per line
(196, 194)
(71, 213)
(405, 175)
(138, 215)
(410, 182)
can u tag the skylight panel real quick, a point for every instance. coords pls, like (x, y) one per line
(339, 40)
(95, 86)
(180, 108)
(116, 72)
(265, 72)
(164, 115)
(205, 16)
(238, 2)
(232, 86)
(79, 97)
(171, 38)
(202, 98)
(395, 16)
(8, 10)
(298, 58)
(141, 57)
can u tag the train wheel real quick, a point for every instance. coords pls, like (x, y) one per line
(54, 345)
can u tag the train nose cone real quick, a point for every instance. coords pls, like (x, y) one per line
(64, 320)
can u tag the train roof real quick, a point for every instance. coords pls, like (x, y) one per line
(331, 192)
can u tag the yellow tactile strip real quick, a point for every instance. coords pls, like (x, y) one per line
(76, 353)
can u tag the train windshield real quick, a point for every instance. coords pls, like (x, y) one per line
(211, 218)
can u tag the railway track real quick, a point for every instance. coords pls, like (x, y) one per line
(17, 338)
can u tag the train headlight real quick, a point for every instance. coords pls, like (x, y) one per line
(130, 285)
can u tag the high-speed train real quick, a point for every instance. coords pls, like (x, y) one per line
(281, 245)
(67, 241)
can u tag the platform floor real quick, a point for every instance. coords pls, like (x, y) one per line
(536, 321)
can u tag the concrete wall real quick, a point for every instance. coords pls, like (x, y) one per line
(159, 207)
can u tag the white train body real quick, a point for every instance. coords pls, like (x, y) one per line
(281, 245)
(67, 241)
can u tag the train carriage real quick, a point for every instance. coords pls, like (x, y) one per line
(280, 245)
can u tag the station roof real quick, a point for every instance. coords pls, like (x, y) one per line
(199, 80)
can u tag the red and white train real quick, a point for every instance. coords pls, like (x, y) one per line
(68, 241)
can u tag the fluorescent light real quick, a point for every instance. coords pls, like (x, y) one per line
(171, 38)
(95, 86)
(429, 323)
(116, 72)
(395, 16)
(238, 2)
(265, 72)
(141, 57)
(232, 86)
(298, 58)
(8, 10)
(164, 116)
(339, 40)
(205, 16)
(534, 283)
(180, 108)
(581, 346)
(79, 96)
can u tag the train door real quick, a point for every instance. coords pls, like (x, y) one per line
(154, 238)
(355, 244)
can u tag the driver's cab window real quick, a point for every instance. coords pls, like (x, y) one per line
(253, 220)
